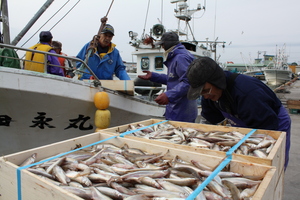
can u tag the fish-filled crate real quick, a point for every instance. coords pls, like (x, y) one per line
(196, 137)
(94, 165)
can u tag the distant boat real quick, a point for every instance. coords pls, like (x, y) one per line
(277, 72)
(277, 76)
(256, 70)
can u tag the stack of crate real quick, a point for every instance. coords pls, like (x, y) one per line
(293, 106)
(31, 186)
(276, 157)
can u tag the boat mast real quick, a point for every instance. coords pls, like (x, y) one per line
(32, 21)
(184, 14)
(5, 22)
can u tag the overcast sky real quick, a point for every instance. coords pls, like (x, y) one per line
(247, 26)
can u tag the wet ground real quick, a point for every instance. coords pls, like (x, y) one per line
(292, 174)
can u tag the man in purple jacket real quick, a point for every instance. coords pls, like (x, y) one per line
(178, 107)
(243, 100)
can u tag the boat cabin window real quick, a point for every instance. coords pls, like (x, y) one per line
(159, 65)
(145, 63)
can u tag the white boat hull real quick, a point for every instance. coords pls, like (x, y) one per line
(277, 76)
(38, 109)
(256, 74)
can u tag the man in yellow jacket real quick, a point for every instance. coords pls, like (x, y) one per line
(43, 45)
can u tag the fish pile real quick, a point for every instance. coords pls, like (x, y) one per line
(107, 172)
(259, 145)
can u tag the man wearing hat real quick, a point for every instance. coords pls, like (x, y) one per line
(37, 65)
(106, 61)
(243, 100)
(178, 107)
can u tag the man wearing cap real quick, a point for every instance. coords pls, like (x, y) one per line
(243, 100)
(107, 60)
(178, 107)
(43, 45)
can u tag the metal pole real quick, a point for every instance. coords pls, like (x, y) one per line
(32, 21)
(5, 22)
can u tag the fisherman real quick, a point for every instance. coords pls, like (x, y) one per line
(57, 46)
(44, 45)
(178, 107)
(243, 100)
(107, 60)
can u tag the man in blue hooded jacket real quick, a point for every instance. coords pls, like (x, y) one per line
(243, 100)
(106, 61)
(178, 107)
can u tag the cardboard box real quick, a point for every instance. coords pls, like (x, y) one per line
(35, 188)
(275, 158)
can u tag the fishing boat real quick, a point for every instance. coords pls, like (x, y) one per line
(277, 71)
(248, 68)
(40, 108)
(150, 57)
(256, 69)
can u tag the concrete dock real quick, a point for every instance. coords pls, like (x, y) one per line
(292, 174)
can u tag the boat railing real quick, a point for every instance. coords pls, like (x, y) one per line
(152, 91)
(74, 61)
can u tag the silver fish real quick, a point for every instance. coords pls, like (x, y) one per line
(217, 188)
(58, 162)
(172, 187)
(248, 192)
(241, 182)
(161, 193)
(149, 181)
(235, 193)
(97, 195)
(121, 189)
(85, 194)
(209, 195)
(75, 184)
(259, 153)
(59, 173)
(201, 166)
(84, 180)
(30, 160)
(138, 197)
(41, 172)
(113, 193)
(182, 181)
(134, 176)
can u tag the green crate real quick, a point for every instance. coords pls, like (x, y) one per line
(294, 111)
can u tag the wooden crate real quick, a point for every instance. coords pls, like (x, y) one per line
(293, 104)
(275, 158)
(124, 86)
(35, 188)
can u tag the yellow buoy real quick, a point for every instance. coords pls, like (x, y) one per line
(101, 100)
(102, 119)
